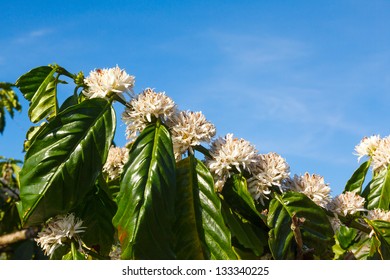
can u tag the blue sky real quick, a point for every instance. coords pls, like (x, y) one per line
(305, 79)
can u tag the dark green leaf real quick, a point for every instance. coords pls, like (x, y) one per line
(97, 212)
(70, 101)
(377, 193)
(200, 229)
(312, 234)
(146, 201)
(356, 182)
(248, 235)
(237, 196)
(382, 235)
(65, 159)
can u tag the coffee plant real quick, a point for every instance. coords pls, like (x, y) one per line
(175, 190)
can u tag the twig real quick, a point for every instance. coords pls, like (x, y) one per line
(18, 236)
(296, 222)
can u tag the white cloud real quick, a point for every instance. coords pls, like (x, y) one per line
(249, 51)
(32, 35)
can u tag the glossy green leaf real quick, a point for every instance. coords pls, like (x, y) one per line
(146, 201)
(382, 235)
(357, 179)
(346, 236)
(237, 196)
(248, 235)
(377, 193)
(96, 212)
(200, 228)
(70, 101)
(39, 86)
(65, 159)
(312, 227)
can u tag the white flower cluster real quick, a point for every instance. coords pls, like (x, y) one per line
(230, 155)
(147, 105)
(104, 83)
(347, 203)
(378, 214)
(378, 149)
(313, 186)
(116, 159)
(58, 231)
(269, 170)
(189, 129)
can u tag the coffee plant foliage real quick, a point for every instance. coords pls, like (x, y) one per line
(160, 197)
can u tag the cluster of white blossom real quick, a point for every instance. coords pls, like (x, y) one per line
(145, 106)
(60, 230)
(313, 186)
(230, 155)
(376, 148)
(116, 159)
(269, 170)
(189, 129)
(104, 83)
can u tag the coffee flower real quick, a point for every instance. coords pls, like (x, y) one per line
(381, 155)
(60, 230)
(367, 146)
(228, 155)
(145, 107)
(313, 186)
(269, 170)
(116, 159)
(347, 203)
(189, 129)
(104, 83)
(378, 214)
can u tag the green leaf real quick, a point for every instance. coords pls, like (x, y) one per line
(377, 193)
(8, 101)
(356, 182)
(32, 134)
(65, 159)
(200, 229)
(70, 101)
(237, 196)
(97, 212)
(146, 201)
(39, 86)
(382, 235)
(298, 227)
(248, 235)
(74, 253)
(346, 236)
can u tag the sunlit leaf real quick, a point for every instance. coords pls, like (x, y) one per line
(299, 227)
(357, 179)
(200, 228)
(64, 161)
(377, 193)
(146, 199)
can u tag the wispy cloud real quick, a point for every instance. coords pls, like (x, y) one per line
(256, 51)
(32, 35)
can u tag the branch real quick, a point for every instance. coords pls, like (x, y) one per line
(18, 236)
